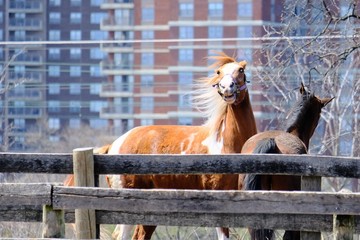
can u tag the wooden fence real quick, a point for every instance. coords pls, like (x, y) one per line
(310, 210)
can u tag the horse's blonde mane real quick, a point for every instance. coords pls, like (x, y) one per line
(206, 98)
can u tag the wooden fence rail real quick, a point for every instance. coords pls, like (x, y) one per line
(305, 211)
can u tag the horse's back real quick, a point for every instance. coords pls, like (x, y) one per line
(286, 143)
(161, 139)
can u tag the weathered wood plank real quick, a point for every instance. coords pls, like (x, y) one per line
(36, 163)
(17, 194)
(274, 221)
(202, 201)
(53, 223)
(307, 165)
(20, 213)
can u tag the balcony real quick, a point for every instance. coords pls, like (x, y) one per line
(112, 68)
(118, 24)
(28, 59)
(113, 90)
(24, 112)
(25, 94)
(117, 46)
(28, 6)
(30, 24)
(116, 4)
(33, 77)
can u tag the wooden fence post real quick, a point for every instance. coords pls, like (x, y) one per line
(53, 223)
(343, 227)
(310, 184)
(85, 221)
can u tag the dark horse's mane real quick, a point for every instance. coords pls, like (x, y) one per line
(298, 112)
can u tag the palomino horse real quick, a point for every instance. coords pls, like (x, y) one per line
(225, 100)
(300, 126)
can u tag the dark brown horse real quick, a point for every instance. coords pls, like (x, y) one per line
(300, 126)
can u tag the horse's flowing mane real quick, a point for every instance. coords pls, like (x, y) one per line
(206, 98)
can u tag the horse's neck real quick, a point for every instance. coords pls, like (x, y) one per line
(238, 126)
(305, 129)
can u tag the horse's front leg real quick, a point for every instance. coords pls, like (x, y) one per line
(143, 232)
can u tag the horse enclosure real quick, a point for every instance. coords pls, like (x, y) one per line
(310, 210)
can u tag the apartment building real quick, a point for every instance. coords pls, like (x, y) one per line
(49, 83)
(157, 48)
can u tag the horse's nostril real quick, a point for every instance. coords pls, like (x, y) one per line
(232, 84)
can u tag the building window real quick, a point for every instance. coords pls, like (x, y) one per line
(245, 9)
(185, 121)
(54, 88)
(146, 122)
(215, 9)
(95, 71)
(75, 53)
(96, 2)
(95, 88)
(54, 123)
(96, 106)
(147, 34)
(75, 3)
(186, 55)
(245, 31)
(147, 104)
(74, 106)
(54, 53)
(75, 88)
(53, 106)
(54, 17)
(95, 18)
(98, 123)
(147, 81)
(215, 32)
(1, 35)
(55, 3)
(147, 14)
(75, 35)
(184, 101)
(186, 32)
(54, 71)
(185, 78)
(75, 18)
(147, 59)
(98, 35)
(54, 35)
(75, 71)
(96, 53)
(74, 123)
(186, 10)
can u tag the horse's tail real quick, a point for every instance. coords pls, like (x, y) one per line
(69, 181)
(257, 182)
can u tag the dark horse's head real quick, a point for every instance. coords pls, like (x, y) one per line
(304, 116)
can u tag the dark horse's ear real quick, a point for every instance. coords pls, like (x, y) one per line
(325, 101)
(302, 88)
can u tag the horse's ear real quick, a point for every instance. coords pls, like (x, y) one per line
(243, 64)
(325, 101)
(302, 88)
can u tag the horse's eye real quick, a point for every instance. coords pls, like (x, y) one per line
(218, 72)
(241, 70)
